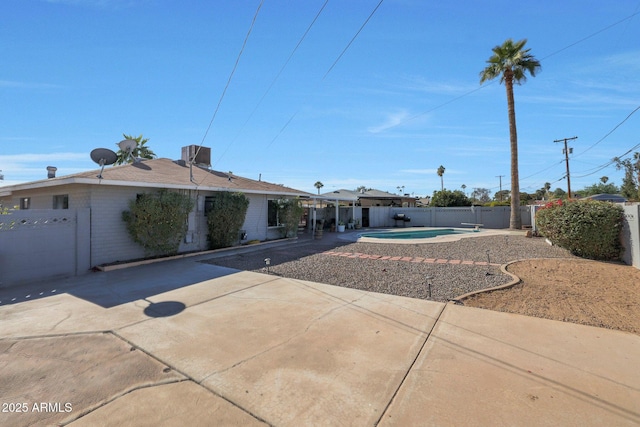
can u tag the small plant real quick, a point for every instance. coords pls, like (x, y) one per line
(158, 222)
(589, 229)
(225, 218)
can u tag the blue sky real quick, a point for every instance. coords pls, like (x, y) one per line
(403, 99)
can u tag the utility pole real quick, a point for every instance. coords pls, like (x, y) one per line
(500, 176)
(566, 151)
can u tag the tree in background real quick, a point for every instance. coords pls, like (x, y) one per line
(631, 182)
(440, 173)
(481, 195)
(141, 151)
(511, 62)
(599, 188)
(318, 185)
(501, 196)
(559, 193)
(362, 189)
(446, 198)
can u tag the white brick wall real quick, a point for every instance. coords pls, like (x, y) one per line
(110, 241)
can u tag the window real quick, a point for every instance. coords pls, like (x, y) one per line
(61, 201)
(25, 202)
(208, 205)
(272, 213)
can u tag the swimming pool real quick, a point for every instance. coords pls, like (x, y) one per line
(414, 234)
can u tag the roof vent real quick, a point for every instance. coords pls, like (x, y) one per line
(199, 155)
(51, 172)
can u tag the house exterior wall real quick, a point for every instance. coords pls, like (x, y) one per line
(99, 235)
(110, 241)
(42, 198)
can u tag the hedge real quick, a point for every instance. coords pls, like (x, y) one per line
(587, 228)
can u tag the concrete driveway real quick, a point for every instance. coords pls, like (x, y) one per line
(182, 343)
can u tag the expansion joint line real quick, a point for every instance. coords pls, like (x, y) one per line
(413, 362)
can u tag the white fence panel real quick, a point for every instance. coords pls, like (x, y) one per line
(41, 244)
(630, 235)
(491, 217)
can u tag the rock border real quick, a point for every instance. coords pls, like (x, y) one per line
(514, 281)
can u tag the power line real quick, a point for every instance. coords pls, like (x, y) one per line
(609, 133)
(591, 35)
(330, 68)
(492, 82)
(352, 39)
(275, 79)
(611, 161)
(235, 66)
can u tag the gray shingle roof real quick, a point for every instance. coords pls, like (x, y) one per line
(165, 173)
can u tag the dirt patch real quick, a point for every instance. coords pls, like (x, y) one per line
(591, 293)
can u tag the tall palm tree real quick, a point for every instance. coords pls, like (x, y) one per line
(440, 174)
(318, 185)
(511, 62)
(140, 151)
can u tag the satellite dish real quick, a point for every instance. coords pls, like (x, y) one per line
(103, 156)
(127, 146)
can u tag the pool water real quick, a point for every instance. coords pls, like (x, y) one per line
(414, 234)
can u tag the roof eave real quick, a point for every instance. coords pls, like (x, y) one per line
(95, 181)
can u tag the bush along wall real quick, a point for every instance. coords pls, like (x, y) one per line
(289, 213)
(587, 228)
(224, 220)
(158, 222)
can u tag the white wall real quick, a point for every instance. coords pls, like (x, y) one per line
(630, 235)
(100, 233)
(38, 244)
(491, 217)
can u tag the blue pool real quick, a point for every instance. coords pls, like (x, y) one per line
(414, 234)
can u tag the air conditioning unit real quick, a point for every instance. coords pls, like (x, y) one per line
(200, 156)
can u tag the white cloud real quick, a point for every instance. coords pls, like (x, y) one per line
(20, 168)
(390, 121)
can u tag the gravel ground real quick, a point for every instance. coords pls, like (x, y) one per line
(307, 260)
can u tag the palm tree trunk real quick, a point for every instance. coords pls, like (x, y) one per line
(515, 221)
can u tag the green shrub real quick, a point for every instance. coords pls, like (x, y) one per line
(289, 213)
(158, 222)
(448, 198)
(589, 228)
(227, 214)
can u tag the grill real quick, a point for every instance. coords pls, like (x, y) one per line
(401, 217)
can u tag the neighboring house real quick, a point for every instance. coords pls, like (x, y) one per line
(355, 205)
(105, 199)
(371, 198)
(614, 198)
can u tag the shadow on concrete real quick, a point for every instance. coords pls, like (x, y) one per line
(112, 288)
(305, 245)
(164, 308)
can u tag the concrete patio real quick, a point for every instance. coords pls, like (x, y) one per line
(187, 343)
